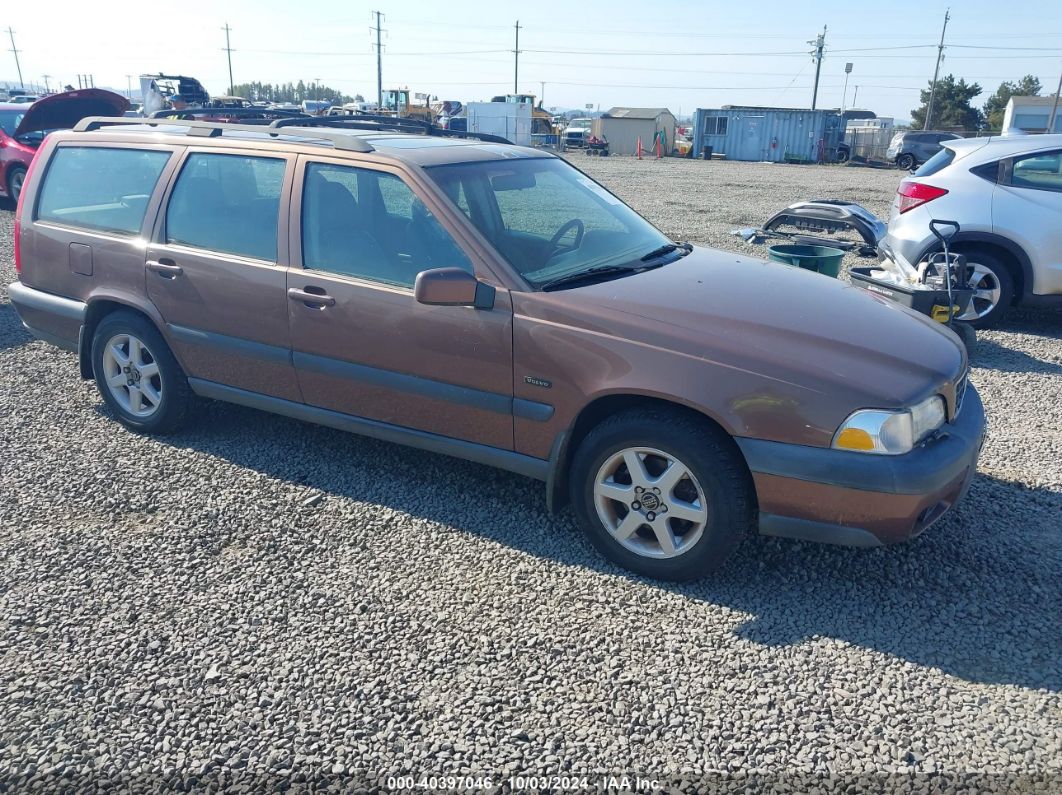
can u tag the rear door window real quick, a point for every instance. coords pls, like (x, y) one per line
(227, 203)
(100, 188)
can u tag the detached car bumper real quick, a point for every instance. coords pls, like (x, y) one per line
(856, 499)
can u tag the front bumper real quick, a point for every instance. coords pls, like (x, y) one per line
(856, 499)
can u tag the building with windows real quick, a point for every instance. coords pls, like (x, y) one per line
(1031, 115)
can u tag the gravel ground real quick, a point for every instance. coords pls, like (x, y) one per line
(256, 602)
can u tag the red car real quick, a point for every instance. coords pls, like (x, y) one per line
(23, 127)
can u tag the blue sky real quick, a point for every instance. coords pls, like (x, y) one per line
(677, 54)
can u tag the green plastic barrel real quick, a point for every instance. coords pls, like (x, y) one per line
(822, 259)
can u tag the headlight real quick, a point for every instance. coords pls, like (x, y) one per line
(888, 432)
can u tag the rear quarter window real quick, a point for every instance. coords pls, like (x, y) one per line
(937, 162)
(100, 188)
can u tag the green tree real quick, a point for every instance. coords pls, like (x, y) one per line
(951, 105)
(1028, 86)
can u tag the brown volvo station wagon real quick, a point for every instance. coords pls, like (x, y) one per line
(492, 302)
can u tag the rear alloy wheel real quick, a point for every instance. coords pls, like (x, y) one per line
(662, 494)
(137, 375)
(906, 162)
(993, 290)
(16, 176)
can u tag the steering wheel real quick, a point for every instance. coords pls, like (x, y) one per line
(554, 245)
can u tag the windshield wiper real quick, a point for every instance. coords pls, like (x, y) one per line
(600, 271)
(667, 248)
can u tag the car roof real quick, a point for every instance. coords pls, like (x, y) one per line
(1003, 144)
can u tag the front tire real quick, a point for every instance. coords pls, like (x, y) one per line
(137, 374)
(662, 494)
(16, 176)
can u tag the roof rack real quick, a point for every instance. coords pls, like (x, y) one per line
(214, 129)
(386, 124)
(259, 115)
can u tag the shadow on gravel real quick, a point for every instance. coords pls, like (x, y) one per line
(990, 355)
(12, 332)
(976, 597)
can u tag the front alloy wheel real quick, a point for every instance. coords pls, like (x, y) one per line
(661, 492)
(650, 502)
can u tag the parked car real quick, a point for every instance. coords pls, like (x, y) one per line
(1006, 195)
(493, 303)
(910, 148)
(23, 127)
(23, 99)
(576, 133)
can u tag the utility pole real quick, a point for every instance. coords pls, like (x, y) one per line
(936, 72)
(1054, 108)
(855, 97)
(14, 49)
(228, 51)
(820, 42)
(47, 88)
(542, 93)
(379, 66)
(129, 86)
(516, 62)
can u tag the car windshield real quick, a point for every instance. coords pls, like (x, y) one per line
(547, 219)
(9, 120)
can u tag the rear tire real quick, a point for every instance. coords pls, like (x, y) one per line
(137, 374)
(993, 285)
(677, 510)
(16, 176)
(906, 162)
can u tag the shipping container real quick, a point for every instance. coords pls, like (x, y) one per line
(777, 135)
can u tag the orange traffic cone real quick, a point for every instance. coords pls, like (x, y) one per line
(639, 147)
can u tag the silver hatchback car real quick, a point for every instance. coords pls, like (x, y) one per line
(1006, 194)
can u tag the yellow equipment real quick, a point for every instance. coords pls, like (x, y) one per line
(396, 103)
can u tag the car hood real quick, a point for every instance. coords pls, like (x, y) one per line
(63, 111)
(812, 332)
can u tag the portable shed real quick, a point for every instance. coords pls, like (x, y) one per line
(622, 127)
(777, 135)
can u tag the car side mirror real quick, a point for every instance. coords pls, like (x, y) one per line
(452, 287)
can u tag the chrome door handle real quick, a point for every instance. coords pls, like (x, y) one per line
(311, 299)
(166, 270)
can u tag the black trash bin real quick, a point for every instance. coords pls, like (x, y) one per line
(706, 153)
